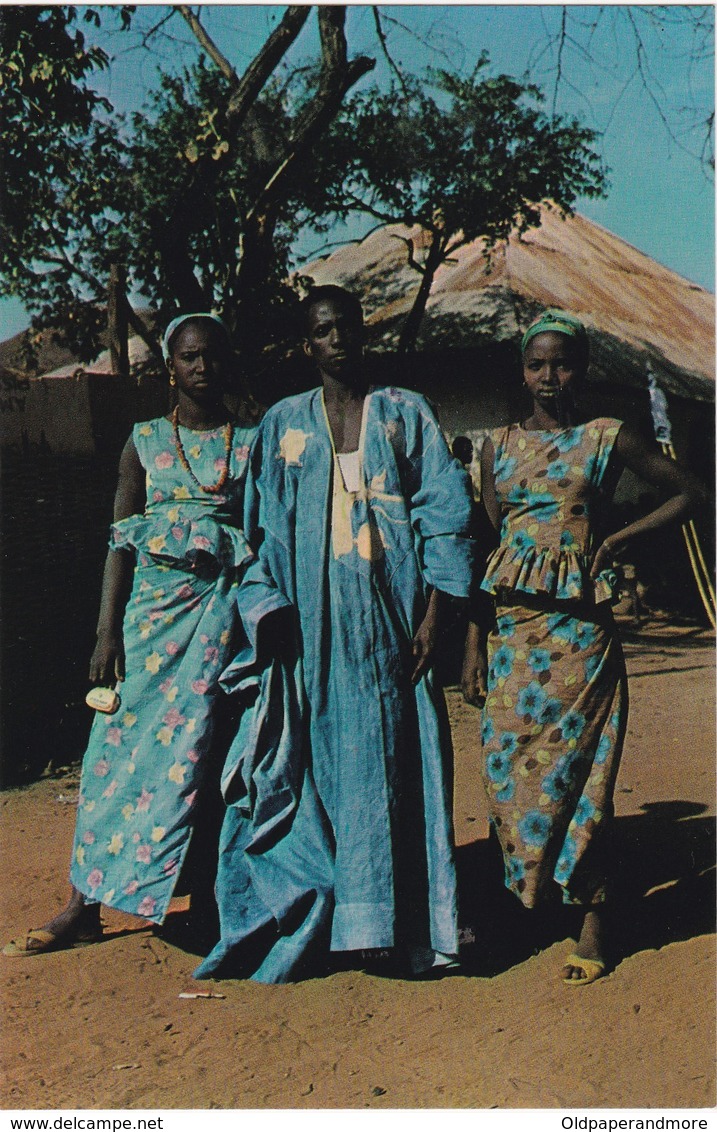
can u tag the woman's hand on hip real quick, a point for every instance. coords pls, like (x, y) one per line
(604, 558)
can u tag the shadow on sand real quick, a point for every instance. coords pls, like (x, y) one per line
(663, 883)
(663, 869)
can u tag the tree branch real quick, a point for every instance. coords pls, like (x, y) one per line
(412, 261)
(264, 64)
(384, 47)
(63, 260)
(172, 231)
(141, 330)
(559, 62)
(459, 242)
(146, 36)
(209, 45)
(338, 75)
(364, 206)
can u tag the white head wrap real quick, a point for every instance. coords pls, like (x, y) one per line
(182, 318)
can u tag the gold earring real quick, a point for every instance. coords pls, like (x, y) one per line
(172, 380)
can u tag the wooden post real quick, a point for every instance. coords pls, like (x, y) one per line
(117, 321)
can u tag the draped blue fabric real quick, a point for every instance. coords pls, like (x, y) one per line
(338, 833)
(145, 765)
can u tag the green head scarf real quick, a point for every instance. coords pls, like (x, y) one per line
(557, 322)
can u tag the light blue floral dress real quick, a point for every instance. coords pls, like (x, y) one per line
(144, 765)
(555, 715)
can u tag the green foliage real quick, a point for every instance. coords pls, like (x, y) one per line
(464, 158)
(170, 192)
(50, 128)
(181, 150)
(86, 188)
(461, 155)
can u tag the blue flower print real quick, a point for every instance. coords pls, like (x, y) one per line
(592, 665)
(566, 860)
(498, 766)
(595, 466)
(560, 626)
(487, 729)
(583, 811)
(572, 724)
(567, 540)
(502, 663)
(518, 496)
(583, 635)
(514, 871)
(591, 469)
(521, 541)
(503, 466)
(506, 792)
(560, 779)
(508, 742)
(544, 507)
(539, 660)
(558, 470)
(573, 582)
(531, 700)
(569, 439)
(573, 632)
(534, 828)
(603, 750)
(551, 711)
(505, 623)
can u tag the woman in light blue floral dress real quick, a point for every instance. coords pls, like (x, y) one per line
(166, 629)
(546, 659)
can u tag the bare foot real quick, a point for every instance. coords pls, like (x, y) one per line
(590, 944)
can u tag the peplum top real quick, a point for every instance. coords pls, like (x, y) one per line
(183, 526)
(550, 490)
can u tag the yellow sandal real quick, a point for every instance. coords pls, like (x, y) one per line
(594, 969)
(38, 941)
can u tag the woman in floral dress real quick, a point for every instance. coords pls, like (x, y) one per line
(166, 629)
(544, 656)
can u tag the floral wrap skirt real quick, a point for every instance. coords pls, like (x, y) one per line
(552, 730)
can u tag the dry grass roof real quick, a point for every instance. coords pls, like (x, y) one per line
(636, 309)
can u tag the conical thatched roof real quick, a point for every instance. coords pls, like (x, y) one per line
(636, 309)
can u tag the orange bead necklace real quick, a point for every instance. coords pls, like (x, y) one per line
(211, 488)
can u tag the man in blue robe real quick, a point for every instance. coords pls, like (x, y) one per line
(338, 834)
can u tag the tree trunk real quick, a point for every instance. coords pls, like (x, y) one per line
(412, 325)
(117, 320)
(338, 75)
(173, 232)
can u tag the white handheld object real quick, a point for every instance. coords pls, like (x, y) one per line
(103, 699)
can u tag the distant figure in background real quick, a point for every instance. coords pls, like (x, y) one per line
(338, 834)
(166, 629)
(544, 656)
(462, 449)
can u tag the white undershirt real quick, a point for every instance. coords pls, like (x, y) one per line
(350, 470)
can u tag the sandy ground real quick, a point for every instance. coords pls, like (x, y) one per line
(103, 1027)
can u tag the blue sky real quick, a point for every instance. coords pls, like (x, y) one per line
(646, 103)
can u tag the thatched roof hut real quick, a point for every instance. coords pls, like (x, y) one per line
(467, 353)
